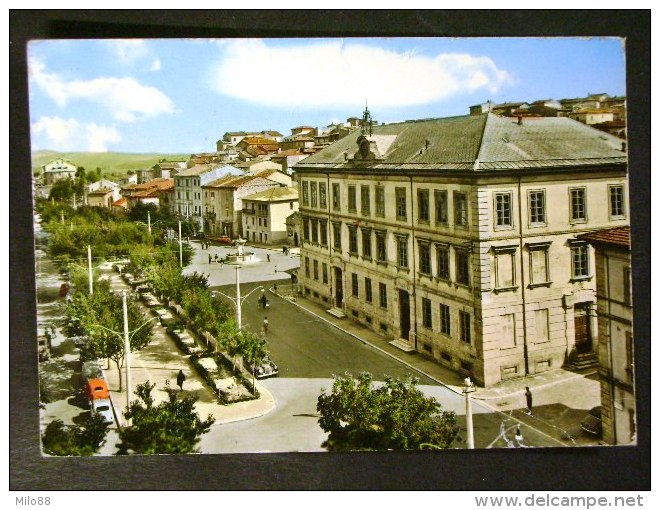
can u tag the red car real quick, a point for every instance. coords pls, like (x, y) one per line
(223, 240)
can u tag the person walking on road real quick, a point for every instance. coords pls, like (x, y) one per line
(180, 378)
(265, 325)
(528, 397)
(216, 258)
(268, 256)
(209, 258)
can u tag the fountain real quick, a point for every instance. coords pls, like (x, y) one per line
(240, 256)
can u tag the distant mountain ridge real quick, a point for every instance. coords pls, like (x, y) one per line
(118, 163)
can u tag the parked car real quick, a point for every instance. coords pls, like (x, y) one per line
(223, 239)
(267, 368)
(103, 406)
(592, 423)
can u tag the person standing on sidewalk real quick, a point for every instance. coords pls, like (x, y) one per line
(528, 397)
(180, 378)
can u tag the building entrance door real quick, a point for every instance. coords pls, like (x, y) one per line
(583, 343)
(339, 288)
(404, 313)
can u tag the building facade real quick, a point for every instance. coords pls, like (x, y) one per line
(56, 170)
(615, 333)
(457, 237)
(265, 213)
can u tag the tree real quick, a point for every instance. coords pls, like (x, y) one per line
(66, 440)
(393, 416)
(101, 317)
(172, 426)
(253, 349)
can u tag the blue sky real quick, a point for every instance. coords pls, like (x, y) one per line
(181, 95)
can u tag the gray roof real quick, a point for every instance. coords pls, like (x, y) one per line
(278, 194)
(475, 142)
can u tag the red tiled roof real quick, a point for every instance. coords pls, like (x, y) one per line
(119, 203)
(618, 236)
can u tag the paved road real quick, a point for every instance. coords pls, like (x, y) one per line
(309, 351)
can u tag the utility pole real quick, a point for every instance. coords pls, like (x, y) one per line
(89, 266)
(180, 247)
(127, 351)
(469, 388)
(149, 221)
(238, 301)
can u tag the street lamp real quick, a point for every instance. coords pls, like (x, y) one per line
(469, 388)
(238, 300)
(127, 343)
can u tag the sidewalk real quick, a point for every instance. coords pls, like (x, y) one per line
(561, 397)
(159, 362)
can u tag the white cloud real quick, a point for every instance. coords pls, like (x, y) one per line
(128, 49)
(69, 134)
(331, 74)
(155, 65)
(124, 98)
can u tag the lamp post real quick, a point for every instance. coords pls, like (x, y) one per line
(469, 388)
(126, 337)
(180, 246)
(238, 300)
(89, 267)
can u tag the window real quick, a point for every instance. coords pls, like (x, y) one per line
(315, 230)
(425, 258)
(307, 267)
(460, 209)
(365, 201)
(441, 209)
(305, 193)
(323, 203)
(538, 264)
(336, 235)
(462, 267)
(445, 320)
(580, 260)
(464, 322)
(541, 325)
(427, 316)
(316, 269)
(617, 209)
(401, 206)
(354, 284)
(323, 227)
(508, 333)
(368, 296)
(352, 239)
(336, 201)
(352, 200)
(402, 251)
(380, 201)
(423, 213)
(442, 254)
(505, 269)
(382, 295)
(305, 228)
(312, 187)
(366, 243)
(381, 249)
(537, 208)
(578, 205)
(627, 287)
(503, 217)
(324, 272)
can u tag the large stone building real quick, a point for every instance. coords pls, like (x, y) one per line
(458, 237)
(615, 333)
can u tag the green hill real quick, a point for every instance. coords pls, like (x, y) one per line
(112, 163)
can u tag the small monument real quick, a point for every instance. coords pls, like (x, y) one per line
(240, 256)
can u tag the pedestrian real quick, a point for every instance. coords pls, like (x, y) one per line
(263, 300)
(519, 437)
(265, 325)
(209, 258)
(216, 258)
(222, 262)
(268, 256)
(180, 378)
(528, 397)
(275, 287)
